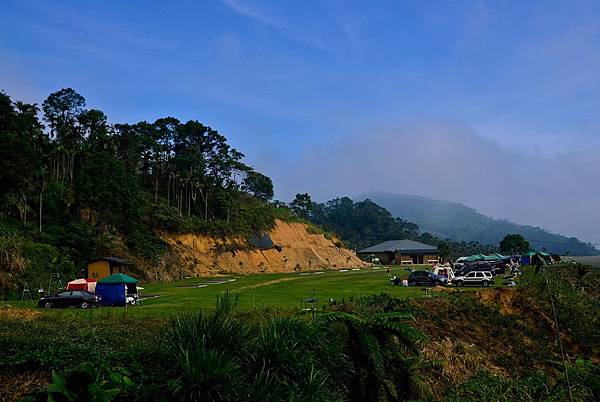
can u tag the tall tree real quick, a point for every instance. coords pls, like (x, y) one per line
(514, 244)
(302, 206)
(62, 110)
(259, 185)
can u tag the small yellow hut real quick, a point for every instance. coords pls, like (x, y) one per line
(106, 266)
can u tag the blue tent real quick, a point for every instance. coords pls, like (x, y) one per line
(115, 288)
(113, 294)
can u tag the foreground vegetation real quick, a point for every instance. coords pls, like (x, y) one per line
(493, 344)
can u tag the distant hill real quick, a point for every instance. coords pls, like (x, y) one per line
(459, 222)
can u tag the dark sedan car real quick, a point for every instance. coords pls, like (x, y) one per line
(426, 278)
(70, 298)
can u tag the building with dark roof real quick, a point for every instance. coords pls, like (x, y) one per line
(402, 252)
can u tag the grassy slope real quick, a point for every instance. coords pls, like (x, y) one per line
(273, 291)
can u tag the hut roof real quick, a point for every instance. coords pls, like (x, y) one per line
(402, 246)
(116, 260)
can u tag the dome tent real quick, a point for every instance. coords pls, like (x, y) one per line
(115, 288)
(529, 257)
(82, 284)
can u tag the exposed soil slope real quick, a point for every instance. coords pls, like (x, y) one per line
(296, 250)
(502, 331)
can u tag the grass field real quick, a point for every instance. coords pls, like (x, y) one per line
(274, 291)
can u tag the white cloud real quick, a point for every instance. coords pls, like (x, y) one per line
(450, 161)
(277, 24)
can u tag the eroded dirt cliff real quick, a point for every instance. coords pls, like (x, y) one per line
(296, 250)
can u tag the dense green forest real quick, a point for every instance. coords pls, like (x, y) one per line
(458, 222)
(73, 186)
(363, 224)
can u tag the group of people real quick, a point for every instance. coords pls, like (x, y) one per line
(394, 280)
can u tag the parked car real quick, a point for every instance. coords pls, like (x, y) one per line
(444, 271)
(474, 278)
(372, 259)
(70, 298)
(475, 266)
(499, 268)
(459, 263)
(426, 278)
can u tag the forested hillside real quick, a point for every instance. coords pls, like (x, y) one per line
(363, 224)
(458, 222)
(74, 187)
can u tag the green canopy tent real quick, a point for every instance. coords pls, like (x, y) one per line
(475, 257)
(118, 278)
(546, 257)
(115, 288)
(527, 258)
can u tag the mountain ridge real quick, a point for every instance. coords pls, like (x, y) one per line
(457, 221)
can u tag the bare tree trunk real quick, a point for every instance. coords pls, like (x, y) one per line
(189, 198)
(179, 203)
(41, 200)
(189, 193)
(206, 205)
(72, 166)
(25, 209)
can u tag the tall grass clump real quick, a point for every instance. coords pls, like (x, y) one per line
(222, 357)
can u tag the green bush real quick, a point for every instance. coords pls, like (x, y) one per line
(84, 383)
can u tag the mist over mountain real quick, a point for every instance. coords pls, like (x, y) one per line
(458, 222)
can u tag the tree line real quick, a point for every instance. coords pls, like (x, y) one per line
(365, 223)
(92, 164)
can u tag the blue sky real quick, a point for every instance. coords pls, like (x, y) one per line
(503, 92)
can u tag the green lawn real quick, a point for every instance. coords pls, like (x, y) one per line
(273, 291)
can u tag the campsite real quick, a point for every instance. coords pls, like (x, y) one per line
(280, 291)
(53, 338)
(218, 292)
(275, 291)
(299, 201)
(127, 337)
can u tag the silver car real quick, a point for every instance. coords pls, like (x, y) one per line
(474, 278)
